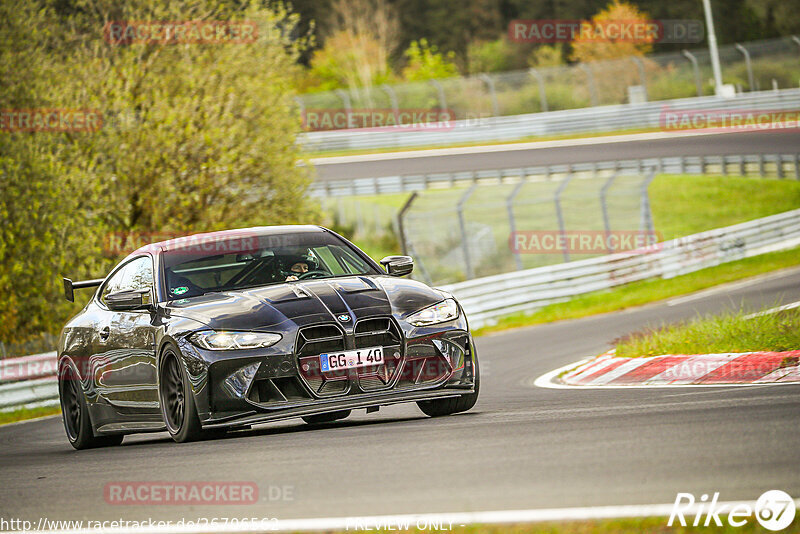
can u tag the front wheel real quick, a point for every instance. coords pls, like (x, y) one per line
(440, 407)
(176, 399)
(75, 413)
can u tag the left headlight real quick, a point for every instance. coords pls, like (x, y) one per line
(213, 340)
(447, 310)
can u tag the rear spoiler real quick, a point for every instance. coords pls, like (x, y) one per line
(69, 285)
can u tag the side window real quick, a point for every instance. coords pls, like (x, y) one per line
(136, 274)
(351, 263)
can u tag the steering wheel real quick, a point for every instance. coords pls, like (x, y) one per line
(309, 274)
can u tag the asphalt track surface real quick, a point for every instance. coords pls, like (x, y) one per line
(766, 142)
(521, 447)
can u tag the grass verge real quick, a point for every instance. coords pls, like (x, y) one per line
(28, 413)
(712, 334)
(647, 291)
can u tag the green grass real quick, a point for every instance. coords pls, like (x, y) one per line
(32, 413)
(647, 291)
(713, 334)
(681, 205)
(685, 205)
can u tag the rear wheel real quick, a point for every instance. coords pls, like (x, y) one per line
(326, 417)
(75, 413)
(176, 399)
(440, 407)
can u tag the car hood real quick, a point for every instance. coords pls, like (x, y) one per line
(296, 304)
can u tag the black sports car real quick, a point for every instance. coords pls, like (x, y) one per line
(216, 331)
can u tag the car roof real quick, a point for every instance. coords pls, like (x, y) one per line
(213, 237)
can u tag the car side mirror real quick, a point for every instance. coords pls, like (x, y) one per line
(398, 265)
(128, 300)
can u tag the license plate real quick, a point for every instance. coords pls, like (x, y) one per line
(350, 359)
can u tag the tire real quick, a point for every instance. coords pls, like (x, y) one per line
(440, 407)
(176, 399)
(326, 417)
(75, 413)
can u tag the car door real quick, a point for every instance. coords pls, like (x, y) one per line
(126, 377)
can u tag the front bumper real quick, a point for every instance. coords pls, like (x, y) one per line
(257, 386)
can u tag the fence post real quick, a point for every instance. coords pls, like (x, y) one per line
(542, 93)
(562, 229)
(401, 223)
(696, 68)
(647, 214)
(463, 228)
(590, 77)
(492, 94)
(761, 170)
(747, 64)
(440, 89)
(779, 165)
(642, 75)
(512, 222)
(346, 101)
(392, 97)
(604, 207)
(797, 166)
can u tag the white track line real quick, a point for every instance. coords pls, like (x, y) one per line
(790, 306)
(445, 521)
(728, 287)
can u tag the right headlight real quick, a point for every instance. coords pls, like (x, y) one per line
(447, 310)
(222, 340)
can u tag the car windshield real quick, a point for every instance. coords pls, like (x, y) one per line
(206, 265)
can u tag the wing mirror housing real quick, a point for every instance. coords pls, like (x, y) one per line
(129, 300)
(398, 265)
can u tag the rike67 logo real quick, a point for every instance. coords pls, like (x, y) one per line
(774, 510)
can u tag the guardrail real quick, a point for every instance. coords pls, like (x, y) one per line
(777, 165)
(489, 298)
(30, 381)
(595, 119)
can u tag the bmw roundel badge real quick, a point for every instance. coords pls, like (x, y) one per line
(343, 317)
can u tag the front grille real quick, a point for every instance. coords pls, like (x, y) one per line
(372, 332)
(378, 332)
(313, 341)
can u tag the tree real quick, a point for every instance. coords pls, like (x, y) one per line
(603, 47)
(425, 62)
(196, 136)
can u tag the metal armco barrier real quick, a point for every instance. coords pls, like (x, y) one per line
(775, 165)
(489, 298)
(595, 119)
(28, 381)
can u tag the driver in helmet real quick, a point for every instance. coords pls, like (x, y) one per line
(298, 266)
